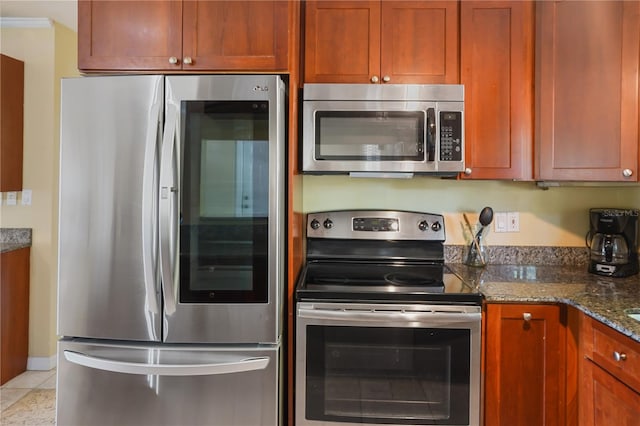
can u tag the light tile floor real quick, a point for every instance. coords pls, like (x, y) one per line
(29, 399)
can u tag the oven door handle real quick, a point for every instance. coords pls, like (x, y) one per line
(349, 315)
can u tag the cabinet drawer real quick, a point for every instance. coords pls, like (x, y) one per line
(617, 353)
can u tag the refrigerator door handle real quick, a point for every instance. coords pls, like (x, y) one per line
(149, 199)
(228, 367)
(168, 191)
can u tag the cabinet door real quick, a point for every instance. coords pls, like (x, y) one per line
(419, 42)
(606, 400)
(235, 35)
(131, 35)
(496, 46)
(11, 123)
(342, 41)
(524, 377)
(14, 313)
(589, 55)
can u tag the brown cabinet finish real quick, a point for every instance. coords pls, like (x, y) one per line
(587, 75)
(132, 35)
(14, 313)
(609, 380)
(381, 42)
(610, 402)
(236, 35)
(11, 123)
(342, 41)
(175, 35)
(497, 70)
(524, 359)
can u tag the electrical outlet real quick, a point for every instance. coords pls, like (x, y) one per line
(513, 222)
(500, 222)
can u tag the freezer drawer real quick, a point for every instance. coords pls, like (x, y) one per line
(117, 384)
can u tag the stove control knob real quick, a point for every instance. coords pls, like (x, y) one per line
(315, 224)
(328, 224)
(423, 225)
(436, 226)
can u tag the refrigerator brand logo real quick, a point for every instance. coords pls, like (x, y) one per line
(261, 89)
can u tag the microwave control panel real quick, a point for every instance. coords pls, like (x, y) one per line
(450, 136)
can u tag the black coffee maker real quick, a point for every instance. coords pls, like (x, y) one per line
(613, 242)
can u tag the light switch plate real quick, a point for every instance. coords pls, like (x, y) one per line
(500, 222)
(12, 198)
(26, 197)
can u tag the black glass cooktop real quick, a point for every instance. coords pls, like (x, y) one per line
(382, 281)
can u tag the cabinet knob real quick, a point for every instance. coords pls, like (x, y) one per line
(386, 79)
(527, 316)
(374, 79)
(467, 171)
(627, 173)
(619, 356)
(187, 60)
(173, 60)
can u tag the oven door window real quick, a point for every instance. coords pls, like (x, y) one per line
(225, 202)
(387, 375)
(370, 135)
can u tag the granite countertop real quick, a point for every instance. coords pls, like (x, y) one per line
(602, 298)
(14, 239)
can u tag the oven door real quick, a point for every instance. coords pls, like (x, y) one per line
(387, 364)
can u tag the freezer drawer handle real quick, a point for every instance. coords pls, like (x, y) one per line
(239, 366)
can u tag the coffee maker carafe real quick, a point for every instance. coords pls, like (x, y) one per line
(613, 242)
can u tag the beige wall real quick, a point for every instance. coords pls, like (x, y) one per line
(49, 53)
(553, 217)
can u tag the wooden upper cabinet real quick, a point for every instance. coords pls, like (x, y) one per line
(381, 42)
(524, 365)
(176, 35)
(132, 35)
(11, 123)
(497, 70)
(588, 76)
(342, 41)
(236, 35)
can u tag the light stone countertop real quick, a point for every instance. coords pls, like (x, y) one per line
(14, 238)
(602, 298)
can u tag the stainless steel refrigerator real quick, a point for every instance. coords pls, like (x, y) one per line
(171, 238)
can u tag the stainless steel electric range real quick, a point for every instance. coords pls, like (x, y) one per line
(385, 332)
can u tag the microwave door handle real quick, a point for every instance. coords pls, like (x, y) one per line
(168, 193)
(150, 199)
(431, 134)
(238, 365)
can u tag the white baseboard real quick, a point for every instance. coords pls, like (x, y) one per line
(42, 363)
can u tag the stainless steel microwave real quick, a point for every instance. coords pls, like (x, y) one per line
(383, 129)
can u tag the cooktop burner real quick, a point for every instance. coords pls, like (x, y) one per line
(379, 256)
(366, 281)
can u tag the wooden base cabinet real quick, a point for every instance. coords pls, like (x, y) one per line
(610, 376)
(14, 313)
(524, 365)
(400, 41)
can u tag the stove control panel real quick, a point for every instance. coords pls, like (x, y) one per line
(376, 225)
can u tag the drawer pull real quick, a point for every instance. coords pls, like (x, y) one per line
(527, 316)
(619, 356)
